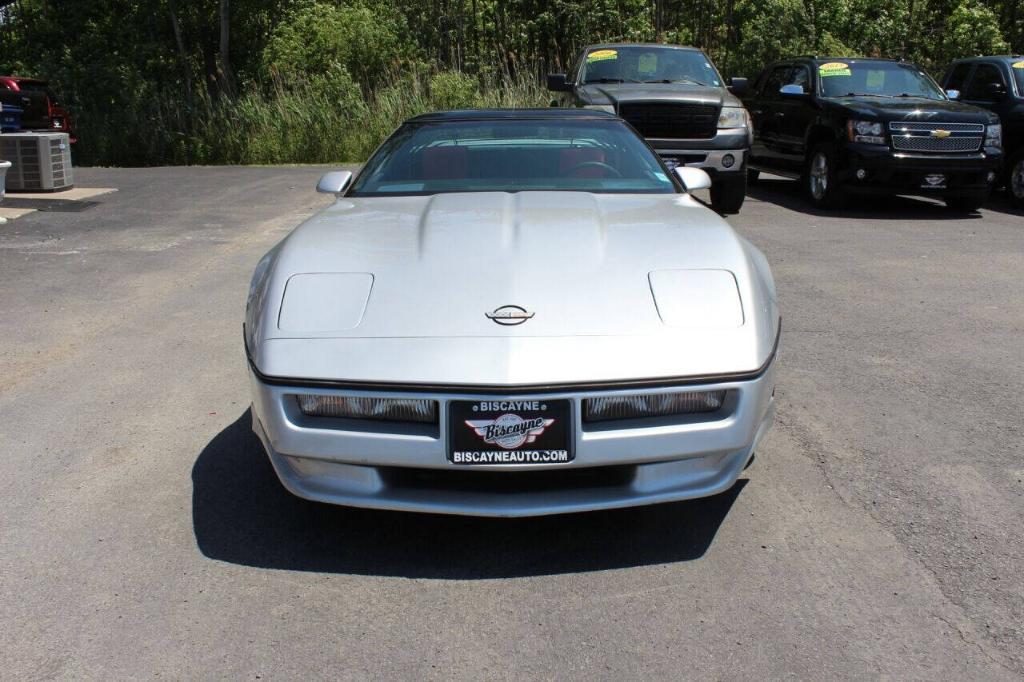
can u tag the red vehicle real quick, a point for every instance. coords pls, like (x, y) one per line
(41, 108)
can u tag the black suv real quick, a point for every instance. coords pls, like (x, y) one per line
(874, 126)
(676, 99)
(997, 84)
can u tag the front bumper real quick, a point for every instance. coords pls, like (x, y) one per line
(892, 172)
(709, 154)
(617, 464)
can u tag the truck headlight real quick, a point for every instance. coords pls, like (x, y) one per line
(994, 136)
(868, 132)
(733, 117)
(610, 108)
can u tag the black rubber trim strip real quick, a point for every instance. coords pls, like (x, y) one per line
(515, 389)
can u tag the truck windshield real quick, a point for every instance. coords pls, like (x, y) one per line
(648, 64)
(502, 155)
(847, 78)
(1017, 69)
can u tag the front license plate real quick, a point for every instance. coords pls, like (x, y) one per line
(509, 432)
(934, 181)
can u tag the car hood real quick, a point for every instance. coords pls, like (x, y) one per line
(913, 109)
(618, 286)
(616, 93)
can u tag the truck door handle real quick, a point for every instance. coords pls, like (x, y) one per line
(778, 114)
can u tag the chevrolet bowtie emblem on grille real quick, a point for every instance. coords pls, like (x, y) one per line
(941, 134)
(509, 315)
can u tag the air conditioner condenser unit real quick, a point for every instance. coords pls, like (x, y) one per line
(40, 162)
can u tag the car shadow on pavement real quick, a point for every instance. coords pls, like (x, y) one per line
(789, 194)
(241, 514)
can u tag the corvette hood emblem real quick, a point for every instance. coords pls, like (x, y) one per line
(509, 315)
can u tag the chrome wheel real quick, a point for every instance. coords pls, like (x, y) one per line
(818, 176)
(1017, 180)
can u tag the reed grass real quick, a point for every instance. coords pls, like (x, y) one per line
(316, 122)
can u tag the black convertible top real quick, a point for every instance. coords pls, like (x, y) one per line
(554, 113)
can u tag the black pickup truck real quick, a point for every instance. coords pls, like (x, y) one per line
(844, 125)
(676, 99)
(997, 84)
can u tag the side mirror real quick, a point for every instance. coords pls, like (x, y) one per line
(738, 86)
(792, 90)
(557, 83)
(953, 94)
(692, 178)
(995, 90)
(335, 182)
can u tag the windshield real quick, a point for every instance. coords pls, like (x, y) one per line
(513, 155)
(845, 78)
(647, 64)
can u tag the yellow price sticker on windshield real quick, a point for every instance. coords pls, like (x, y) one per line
(834, 69)
(1018, 65)
(602, 55)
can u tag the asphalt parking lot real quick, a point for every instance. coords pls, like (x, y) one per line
(143, 533)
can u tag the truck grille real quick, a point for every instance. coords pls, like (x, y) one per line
(925, 137)
(671, 121)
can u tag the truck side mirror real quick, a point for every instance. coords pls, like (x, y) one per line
(738, 86)
(792, 90)
(557, 83)
(953, 94)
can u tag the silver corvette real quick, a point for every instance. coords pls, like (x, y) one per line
(512, 313)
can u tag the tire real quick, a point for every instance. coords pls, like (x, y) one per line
(966, 204)
(728, 193)
(752, 176)
(820, 180)
(1015, 180)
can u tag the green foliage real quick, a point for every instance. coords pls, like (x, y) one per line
(454, 90)
(152, 82)
(317, 39)
(972, 29)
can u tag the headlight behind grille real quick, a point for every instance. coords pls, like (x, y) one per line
(387, 409)
(651, 405)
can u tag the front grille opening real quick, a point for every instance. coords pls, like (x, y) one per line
(509, 482)
(917, 136)
(641, 405)
(415, 410)
(646, 411)
(671, 121)
(363, 415)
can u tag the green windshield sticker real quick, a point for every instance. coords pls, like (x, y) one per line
(648, 63)
(602, 55)
(834, 69)
(875, 80)
(1018, 65)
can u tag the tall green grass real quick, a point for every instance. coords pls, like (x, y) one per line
(319, 122)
